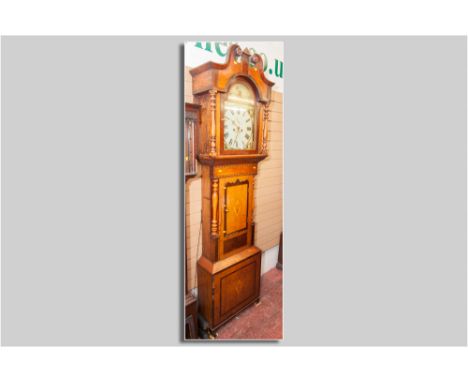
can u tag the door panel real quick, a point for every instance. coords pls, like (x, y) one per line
(236, 202)
(237, 288)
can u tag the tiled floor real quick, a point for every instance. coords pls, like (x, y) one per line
(262, 321)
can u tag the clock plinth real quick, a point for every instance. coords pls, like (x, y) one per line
(234, 100)
(228, 286)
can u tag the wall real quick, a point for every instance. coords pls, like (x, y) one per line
(268, 213)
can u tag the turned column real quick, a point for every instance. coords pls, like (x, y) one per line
(266, 115)
(212, 146)
(214, 207)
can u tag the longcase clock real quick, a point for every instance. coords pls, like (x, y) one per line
(234, 99)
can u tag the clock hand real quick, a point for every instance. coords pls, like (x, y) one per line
(237, 130)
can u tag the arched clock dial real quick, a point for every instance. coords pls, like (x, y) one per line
(239, 121)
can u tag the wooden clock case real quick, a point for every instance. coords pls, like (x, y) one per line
(229, 268)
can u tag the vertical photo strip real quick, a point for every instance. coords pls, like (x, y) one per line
(233, 162)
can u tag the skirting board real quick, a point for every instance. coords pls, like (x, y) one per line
(269, 259)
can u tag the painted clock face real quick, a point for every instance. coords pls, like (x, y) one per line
(239, 118)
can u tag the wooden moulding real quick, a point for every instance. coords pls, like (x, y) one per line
(229, 171)
(235, 258)
(209, 160)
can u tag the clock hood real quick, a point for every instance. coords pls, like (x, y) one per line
(212, 75)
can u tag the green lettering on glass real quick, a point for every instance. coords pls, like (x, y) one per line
(206, 45)
(199, 44)
(218, 48)
(265, 61)
(278, 68)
